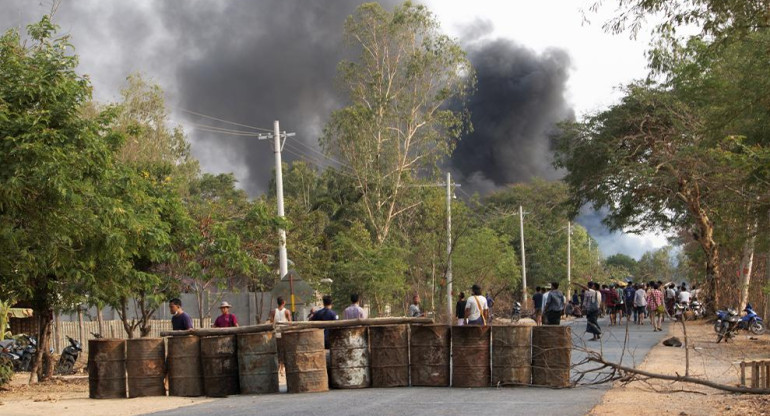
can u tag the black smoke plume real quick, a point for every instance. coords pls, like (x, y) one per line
(246, 61)
(519, 100)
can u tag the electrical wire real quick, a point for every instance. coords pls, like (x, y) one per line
(195, 113)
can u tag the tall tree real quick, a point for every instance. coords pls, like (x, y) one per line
(54, 160)
(399, 122)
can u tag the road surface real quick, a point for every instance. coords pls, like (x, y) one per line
(428, 401)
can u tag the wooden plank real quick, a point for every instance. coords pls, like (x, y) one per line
(219, 331)
(342, 323)
(743, 373)
(754, 375)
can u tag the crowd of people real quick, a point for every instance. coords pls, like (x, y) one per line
(653, 300)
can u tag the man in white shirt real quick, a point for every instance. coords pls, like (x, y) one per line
(684, 295)
(476, 309)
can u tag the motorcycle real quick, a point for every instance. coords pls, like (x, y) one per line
(20, 353)
(679, 311)
(698, 309)
(728, 325)
(69, 356)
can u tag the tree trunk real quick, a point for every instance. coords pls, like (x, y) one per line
(42, 367)
(747, 262)
(100, 319)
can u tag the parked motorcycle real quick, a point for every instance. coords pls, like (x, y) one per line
(21, 351)
(69, 356)
(698, 309)
(730, 323)
(8, 350)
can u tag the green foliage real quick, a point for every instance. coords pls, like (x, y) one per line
(399, 123)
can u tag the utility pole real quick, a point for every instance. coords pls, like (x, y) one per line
(283, 267)
(450, 315)
(569, 260)
(523, 257)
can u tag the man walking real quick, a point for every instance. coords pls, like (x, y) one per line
(226, 319)
(180, 320)
(354, 311)
(592, 304)
(640, 304)
(553, 306)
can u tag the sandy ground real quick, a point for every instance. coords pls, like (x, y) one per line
(716, 362)
(68, 396)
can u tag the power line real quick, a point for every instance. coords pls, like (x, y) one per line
(222, 120)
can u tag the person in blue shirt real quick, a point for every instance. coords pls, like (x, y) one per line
(325, 314)
(180, 320)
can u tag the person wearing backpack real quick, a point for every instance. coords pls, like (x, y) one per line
(591, 304)
(553, 305)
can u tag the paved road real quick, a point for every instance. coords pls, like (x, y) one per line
(443, 401)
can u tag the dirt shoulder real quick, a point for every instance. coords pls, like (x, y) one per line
(716, 362)
(68, 396)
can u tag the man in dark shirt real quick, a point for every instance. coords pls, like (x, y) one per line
(537, 298)
(325, 314)
(180, 320)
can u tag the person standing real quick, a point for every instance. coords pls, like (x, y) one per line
(537, 299)
(280, 314)
(592, 305)
(684, 295)
(629, 293)
(354, 311)
(612, 304)
(180, 320)
(553, 305)
(669, 297)
(414, 308)
(476, 309)
(460, 309)
(225, 319)
(325, 314)
(640, 304)
(656, 307)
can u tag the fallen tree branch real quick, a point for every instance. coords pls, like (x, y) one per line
(687, 379)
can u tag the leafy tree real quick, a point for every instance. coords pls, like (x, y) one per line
(54, 161)
(399, 123)
(622, 262)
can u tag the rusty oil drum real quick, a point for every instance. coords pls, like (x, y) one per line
(258, 363)
(390, 355)
(219, 361)
(429, 347)
(184, 366)
(349, 358)
(106, 368)
(146, 367)
(470, 356)
(305, 360)
(511, 355)
(551, 355)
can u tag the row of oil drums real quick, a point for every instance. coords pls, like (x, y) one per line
(359, 357)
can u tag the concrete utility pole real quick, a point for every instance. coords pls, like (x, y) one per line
(450, 315)
(277, 148)
(523, 257)
(569, 260)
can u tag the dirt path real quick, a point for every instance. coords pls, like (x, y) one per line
(69, 397)
(708, 359)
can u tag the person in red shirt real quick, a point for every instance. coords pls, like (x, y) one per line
(226, 319)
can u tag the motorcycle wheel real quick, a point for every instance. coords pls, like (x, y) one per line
(65, 366)
(25, 363)
(757, 328)
(717, 326)
(722, 334)
(515, 317)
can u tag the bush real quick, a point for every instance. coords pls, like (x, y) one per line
(6, 371)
